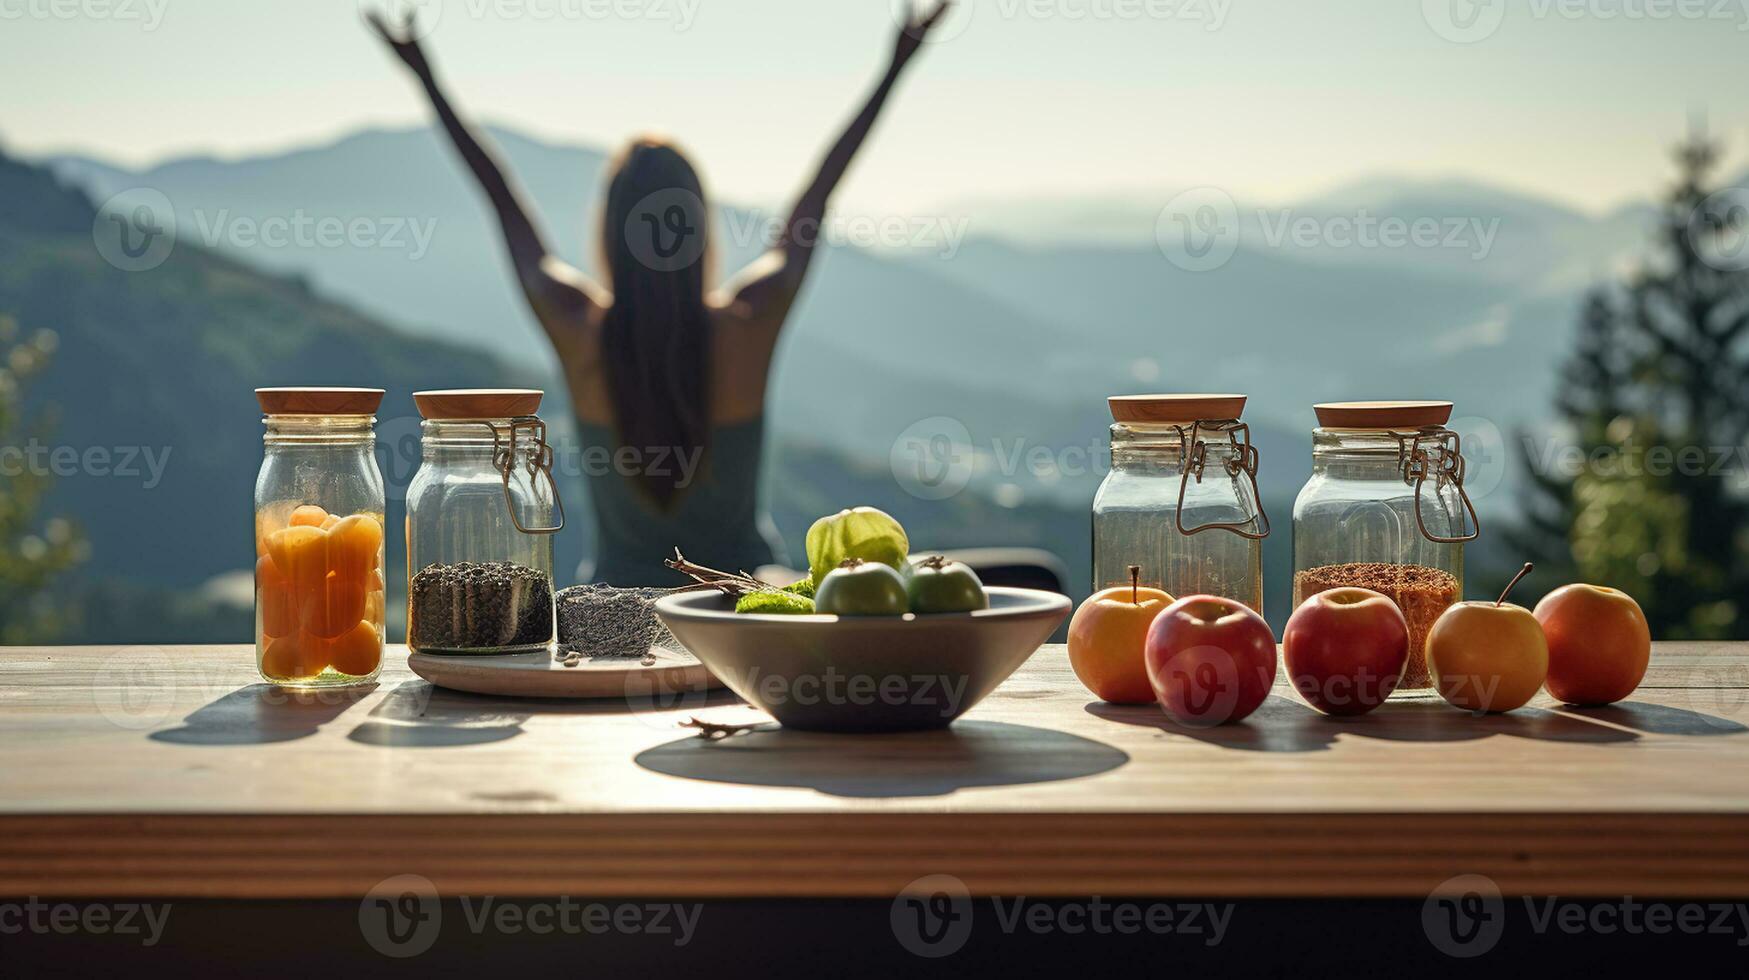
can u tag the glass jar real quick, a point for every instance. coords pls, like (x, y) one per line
(1385, 509)
(1181, 502)
(319, 538)
(481, 513)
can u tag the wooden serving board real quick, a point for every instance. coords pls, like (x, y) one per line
(538, 675)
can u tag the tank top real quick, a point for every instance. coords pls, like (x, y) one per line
(716, 519)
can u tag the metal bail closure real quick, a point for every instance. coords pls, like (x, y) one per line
(1436, 451)
(1244, 460)
(540, 462)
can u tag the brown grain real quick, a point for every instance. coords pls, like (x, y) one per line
(1422, 594)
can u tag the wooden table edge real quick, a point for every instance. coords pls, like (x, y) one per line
(705, 855)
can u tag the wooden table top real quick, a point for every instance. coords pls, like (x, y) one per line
(172, 771)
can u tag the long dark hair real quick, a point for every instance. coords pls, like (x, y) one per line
(656, 345)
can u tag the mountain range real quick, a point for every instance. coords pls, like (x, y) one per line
(1008, 343)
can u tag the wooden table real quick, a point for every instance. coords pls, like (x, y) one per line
(172, 771)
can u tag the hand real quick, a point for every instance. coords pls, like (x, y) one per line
(403, 42)
(911, 35)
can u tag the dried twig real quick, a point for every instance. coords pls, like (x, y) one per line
(735, 584)
(716, 730)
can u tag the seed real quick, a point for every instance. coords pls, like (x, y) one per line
(480, 606)
(1422, 593)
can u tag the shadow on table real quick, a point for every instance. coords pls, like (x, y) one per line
(1657, 719)
(1285, 725)
(913, 764)
(262, 713)
(418, 714)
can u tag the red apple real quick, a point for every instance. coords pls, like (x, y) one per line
(1210, 660)
(1599, 643)
(1345, 650)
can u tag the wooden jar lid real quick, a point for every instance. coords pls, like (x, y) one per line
(1162, 409)
(1382, 415)
(319, 401)
(478, 403)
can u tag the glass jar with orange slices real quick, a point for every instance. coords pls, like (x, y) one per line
(319, 507)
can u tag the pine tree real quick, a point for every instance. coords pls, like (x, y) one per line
(1656, 399)
(33, 552)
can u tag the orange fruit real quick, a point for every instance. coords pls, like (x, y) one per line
(357, 651)
(274, 599)
(354, 544)
(309, 515)
(291, 658)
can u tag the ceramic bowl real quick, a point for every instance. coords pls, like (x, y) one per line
(865, 673)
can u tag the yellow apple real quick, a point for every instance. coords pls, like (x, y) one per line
(1106, 639)
(1488, 656)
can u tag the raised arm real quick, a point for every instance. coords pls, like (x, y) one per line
(764, 291)
(557, 292)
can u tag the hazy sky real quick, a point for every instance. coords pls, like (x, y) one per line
(1273, 99)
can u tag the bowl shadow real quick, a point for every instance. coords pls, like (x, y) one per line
(967, 755)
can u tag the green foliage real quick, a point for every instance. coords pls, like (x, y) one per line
(33, 551)
(804, 588)
(776, 603)
(1654, 397)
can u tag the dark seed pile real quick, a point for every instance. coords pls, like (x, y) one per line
(600, 621)
(480, 605)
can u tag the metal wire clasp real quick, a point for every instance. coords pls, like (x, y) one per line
(1438, 452)
(540, 462)
(1243, 460)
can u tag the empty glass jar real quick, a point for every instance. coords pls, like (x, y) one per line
(319, 538)
(481, 512)
(1385, 509)
(1181, 499)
